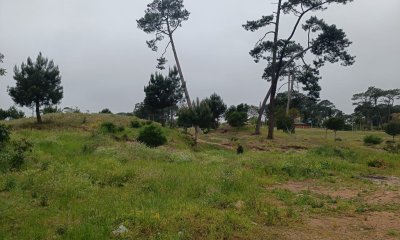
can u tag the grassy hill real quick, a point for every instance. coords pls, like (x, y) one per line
(80, 183)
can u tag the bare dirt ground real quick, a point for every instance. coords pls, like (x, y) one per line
(383, 224)
(375, 225)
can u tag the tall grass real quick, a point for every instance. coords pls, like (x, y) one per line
(82, 184)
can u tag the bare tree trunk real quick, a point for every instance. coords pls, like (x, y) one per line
(261, 113)
(290, 88)
(38, 117)
(196, 134)
(275, 77)
(178, 65)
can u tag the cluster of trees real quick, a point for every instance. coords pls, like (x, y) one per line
(162, 96)
(284, 56)
(374, 107)
(11, 113)
(164, 103)
(311, 111)
(38, 83)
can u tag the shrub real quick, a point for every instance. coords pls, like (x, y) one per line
(237, 116)
(136, 124)
(372, 140)
(14, 156)
(237, 119)
(4, 134)
(20, 148)
(106, 111)
(9, 184)
(51, 109)
(240, 149)
(152, 136)
(11, 113)
(376, 163)
(108, 127)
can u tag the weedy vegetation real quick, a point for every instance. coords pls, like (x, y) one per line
(69, 179)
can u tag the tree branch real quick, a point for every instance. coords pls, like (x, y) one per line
(262, 39)
(292, 35)
(166, 48)
(291, 60)
(300, 17)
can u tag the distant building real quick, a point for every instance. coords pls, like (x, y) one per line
(302, 125)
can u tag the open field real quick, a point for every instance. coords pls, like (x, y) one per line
(79, 183)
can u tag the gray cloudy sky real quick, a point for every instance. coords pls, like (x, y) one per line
(105, 62)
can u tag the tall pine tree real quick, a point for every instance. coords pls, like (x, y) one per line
(326, 42)
(37, 84)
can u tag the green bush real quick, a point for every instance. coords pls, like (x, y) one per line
(152, 136)
(20, 148)
(136, 124)
(237, 116)
(51, 109)
(9, 185)
(377, 163)
(105, 111)
(108, 127)
(14, 155)
(372, 140)
(237, 119)
(240, 149)
(4, 134)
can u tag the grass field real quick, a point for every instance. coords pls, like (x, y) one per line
(80, 183)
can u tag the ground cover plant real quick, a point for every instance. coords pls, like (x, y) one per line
(80, 183)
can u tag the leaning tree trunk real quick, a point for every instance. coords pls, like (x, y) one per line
(275, 77)
(38, 117)
(178, 65)
(261, 113)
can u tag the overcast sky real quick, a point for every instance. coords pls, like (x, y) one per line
(105, 62)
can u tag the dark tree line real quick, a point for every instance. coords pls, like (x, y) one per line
(310, 111)
(375, 106)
